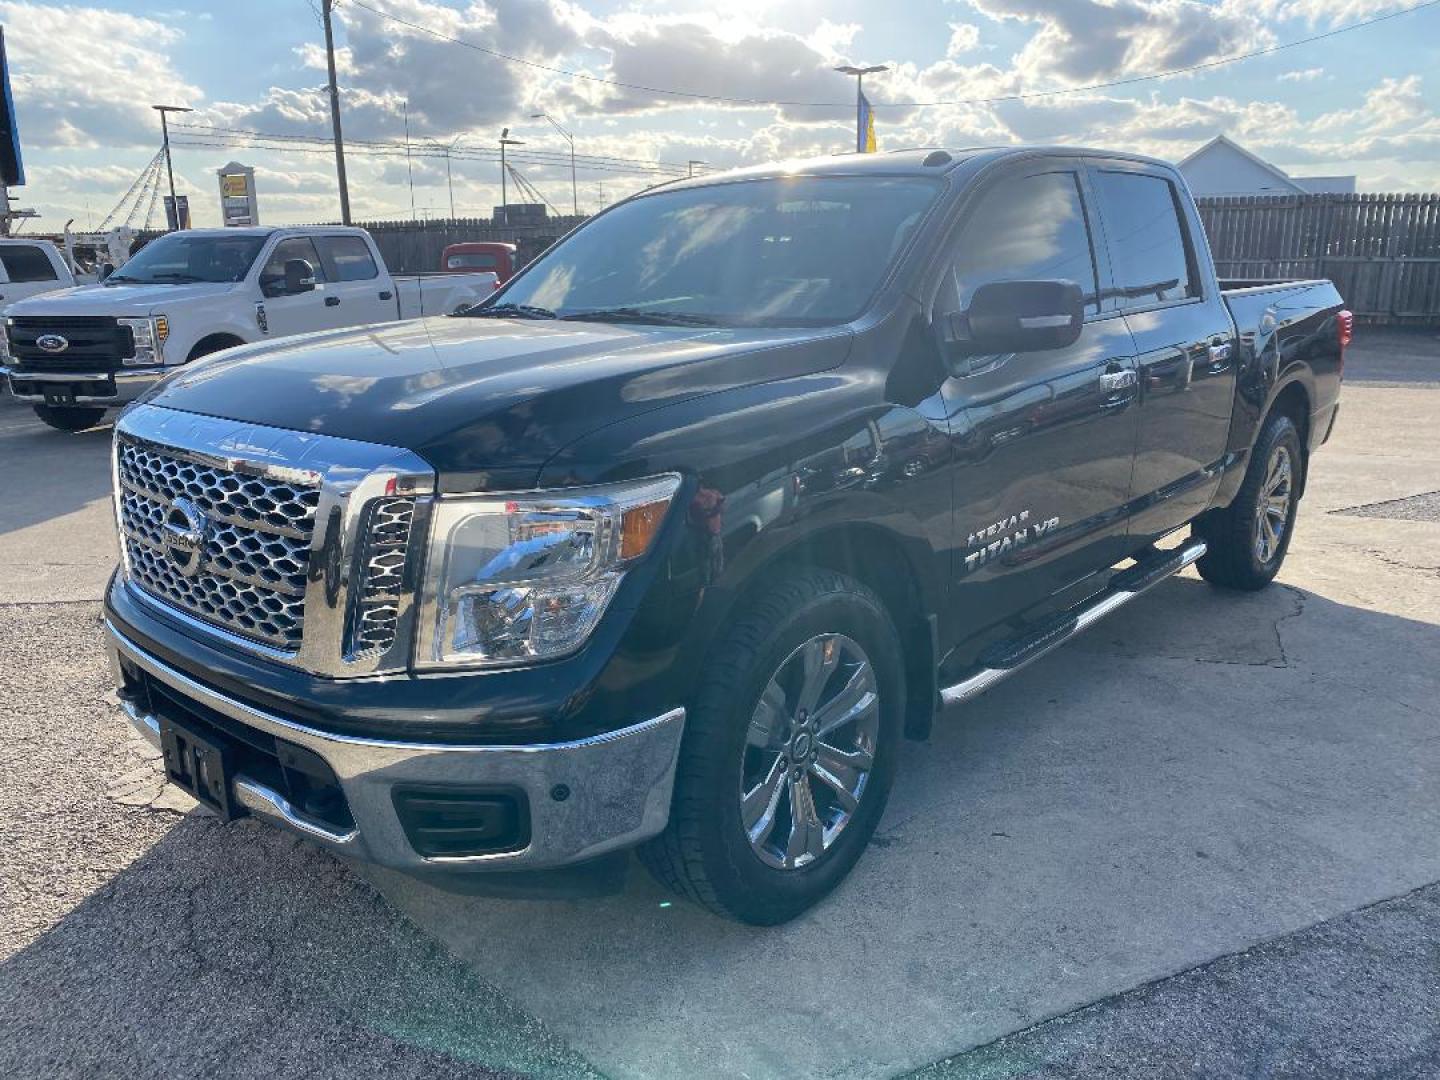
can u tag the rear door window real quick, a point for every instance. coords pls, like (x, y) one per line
(1032, 228)
(25, 262)
(347, 258)
(1149, 249)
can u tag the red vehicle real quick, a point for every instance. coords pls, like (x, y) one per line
(481, 256)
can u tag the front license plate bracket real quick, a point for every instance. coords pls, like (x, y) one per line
(200, 765)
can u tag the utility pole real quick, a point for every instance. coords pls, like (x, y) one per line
(505, 141)
(326, 6)
(165, 140)
(409, 168)
(574, 185)
(860, 74)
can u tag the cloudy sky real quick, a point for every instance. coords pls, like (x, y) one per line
(84, 78)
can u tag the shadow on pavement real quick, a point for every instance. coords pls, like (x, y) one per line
(66, 472)
(1122, 811)
(1204, 771)
(242, 952)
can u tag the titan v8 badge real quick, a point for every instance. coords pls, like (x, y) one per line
(1004, 535)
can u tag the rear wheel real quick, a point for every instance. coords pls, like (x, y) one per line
(1248, 540)
(789, 752)
(69, 419)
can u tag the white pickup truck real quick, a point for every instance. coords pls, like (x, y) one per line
(75, 353)
(30, 267)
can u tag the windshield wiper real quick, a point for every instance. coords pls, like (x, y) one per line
(174, 275)
(641, 315)
(509, 311)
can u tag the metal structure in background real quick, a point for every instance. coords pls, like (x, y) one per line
(164, 111)
(1381, 251)
(326, 8)
(574, 183)
(505, 141)
(143, 191)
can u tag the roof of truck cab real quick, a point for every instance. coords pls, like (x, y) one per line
(917, 161)
(271, 230)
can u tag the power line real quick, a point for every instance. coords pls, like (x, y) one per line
(696, 96)
(477, 154)
(284, 142)
(217, 130)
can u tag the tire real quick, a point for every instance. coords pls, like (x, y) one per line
(746, 722)
(208, 346)
(68, 419)
(1246, 545)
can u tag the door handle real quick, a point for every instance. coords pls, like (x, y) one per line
(332, 301)
(387, 295)
(1118, 378)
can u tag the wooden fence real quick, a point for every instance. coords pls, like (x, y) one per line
(412, 247)
(1382, 251)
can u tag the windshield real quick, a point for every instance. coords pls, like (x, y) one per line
(805, 250)
(180, 257)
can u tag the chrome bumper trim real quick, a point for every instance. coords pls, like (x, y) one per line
(618, 784)
(256, 797)
(129, 384)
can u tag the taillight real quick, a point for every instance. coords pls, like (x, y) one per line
(1345, 322)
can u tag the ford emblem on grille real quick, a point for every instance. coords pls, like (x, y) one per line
(52, 343)
(184, 531)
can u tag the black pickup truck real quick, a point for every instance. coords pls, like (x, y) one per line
(670, 543)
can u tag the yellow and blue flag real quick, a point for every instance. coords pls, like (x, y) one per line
(864, 126)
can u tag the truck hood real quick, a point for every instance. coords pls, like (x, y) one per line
(118, 299)
(486, 401)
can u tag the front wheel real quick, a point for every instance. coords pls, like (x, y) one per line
(789, 751)
(67, 419)
(1247, 541)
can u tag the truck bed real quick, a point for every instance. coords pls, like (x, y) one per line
(440, 293)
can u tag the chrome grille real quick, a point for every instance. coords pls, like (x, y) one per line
(255, 551)
(382, 575)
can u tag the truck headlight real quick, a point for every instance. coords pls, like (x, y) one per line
(526, 577)
(149, 334)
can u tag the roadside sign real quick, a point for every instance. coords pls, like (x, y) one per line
(237, 195)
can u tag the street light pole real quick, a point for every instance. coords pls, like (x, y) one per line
(860, 73)
(505, 141)
(165, 141)
(326, 6)
(574, 184)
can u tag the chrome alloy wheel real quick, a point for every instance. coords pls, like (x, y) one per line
(1273, 513)
(809, 751)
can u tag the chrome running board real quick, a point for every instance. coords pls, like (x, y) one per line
(1000, 663)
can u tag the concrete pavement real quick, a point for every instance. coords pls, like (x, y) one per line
(1204, 772)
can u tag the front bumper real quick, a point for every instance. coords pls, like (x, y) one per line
(584, 798)
(109, 389)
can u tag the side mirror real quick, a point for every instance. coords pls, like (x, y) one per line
(1017, 316)
(299, 276)
(106, 269)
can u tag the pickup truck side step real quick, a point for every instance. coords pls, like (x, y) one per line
(1005, 658)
